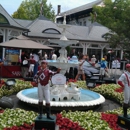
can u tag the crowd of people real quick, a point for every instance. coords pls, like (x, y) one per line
(30, 62)
(102, 64)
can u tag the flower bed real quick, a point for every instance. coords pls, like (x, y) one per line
(19, 85)
(18, 119)
(110, 91)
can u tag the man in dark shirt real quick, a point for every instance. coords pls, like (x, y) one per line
(24, 64)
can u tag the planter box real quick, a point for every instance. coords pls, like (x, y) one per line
(124, 122)
(45, 123)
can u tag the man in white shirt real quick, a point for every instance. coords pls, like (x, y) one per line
(93, 60)
(54, 56)
(45, 56)
(36, 58)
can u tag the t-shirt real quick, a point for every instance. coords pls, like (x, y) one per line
(22, 59)
(45, 56)
(32, 61)
(93, 60)
(103, 64)
(54, 57)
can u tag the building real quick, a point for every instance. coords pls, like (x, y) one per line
(41, 29)
(78, 16)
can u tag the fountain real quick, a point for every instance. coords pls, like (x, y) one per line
(62, 95)
(62, 61)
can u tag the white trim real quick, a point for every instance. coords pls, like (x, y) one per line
(95, 102)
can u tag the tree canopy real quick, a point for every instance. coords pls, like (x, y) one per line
(31, 9)
(115, 16)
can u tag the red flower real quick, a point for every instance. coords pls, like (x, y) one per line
(34, 84)
(1, 111)
(72, 80)
(120, 90)
(111, 119)
(67, 124)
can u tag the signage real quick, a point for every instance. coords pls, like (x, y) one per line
(11, 71)
(12, 54)
(58, 79)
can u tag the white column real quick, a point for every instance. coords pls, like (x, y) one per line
(20, 53)
(86, 47)
(116, 53)
(86, 50)
(101, 53)
(4, 39)
(83, 45)
(121, 56)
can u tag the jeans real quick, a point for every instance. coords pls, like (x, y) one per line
(35, 68)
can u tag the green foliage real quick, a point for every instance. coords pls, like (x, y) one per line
(115, 16)
(30, 10)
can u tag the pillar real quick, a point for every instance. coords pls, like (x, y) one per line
(101, 53)
(4, 39)
(121, 56)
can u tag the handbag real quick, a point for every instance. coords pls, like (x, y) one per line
(25, 62)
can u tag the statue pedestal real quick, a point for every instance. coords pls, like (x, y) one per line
(45, 123)
(124, 122)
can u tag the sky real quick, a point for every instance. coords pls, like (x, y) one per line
(12, 5)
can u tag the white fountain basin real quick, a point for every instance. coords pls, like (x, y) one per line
(88, 98)
(64, 66)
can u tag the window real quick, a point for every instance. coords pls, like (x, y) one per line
(94, 45)
(1, 39)
(51, 31)
(3, 20)
(80, 23)
(84, 23)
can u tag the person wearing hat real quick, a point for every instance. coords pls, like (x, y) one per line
(102, 68)
(124, 82)
(42, 77)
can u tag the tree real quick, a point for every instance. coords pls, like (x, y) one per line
(115, 16)
(31, 9)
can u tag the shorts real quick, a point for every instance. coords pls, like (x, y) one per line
(31, 68)
(80, 71)
(102, 71)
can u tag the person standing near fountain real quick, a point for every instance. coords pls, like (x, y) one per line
(103, 67)
(80, 68)
(45, 56)
(93, 60)
(124, 82)
(54, 56)
(42, 77)
(36, 58)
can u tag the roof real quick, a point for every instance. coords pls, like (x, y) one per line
(23, 22)
(96, 31)
(12, 22)
(92, 33)
(40, 25)
(24, 43)
(81, 8)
